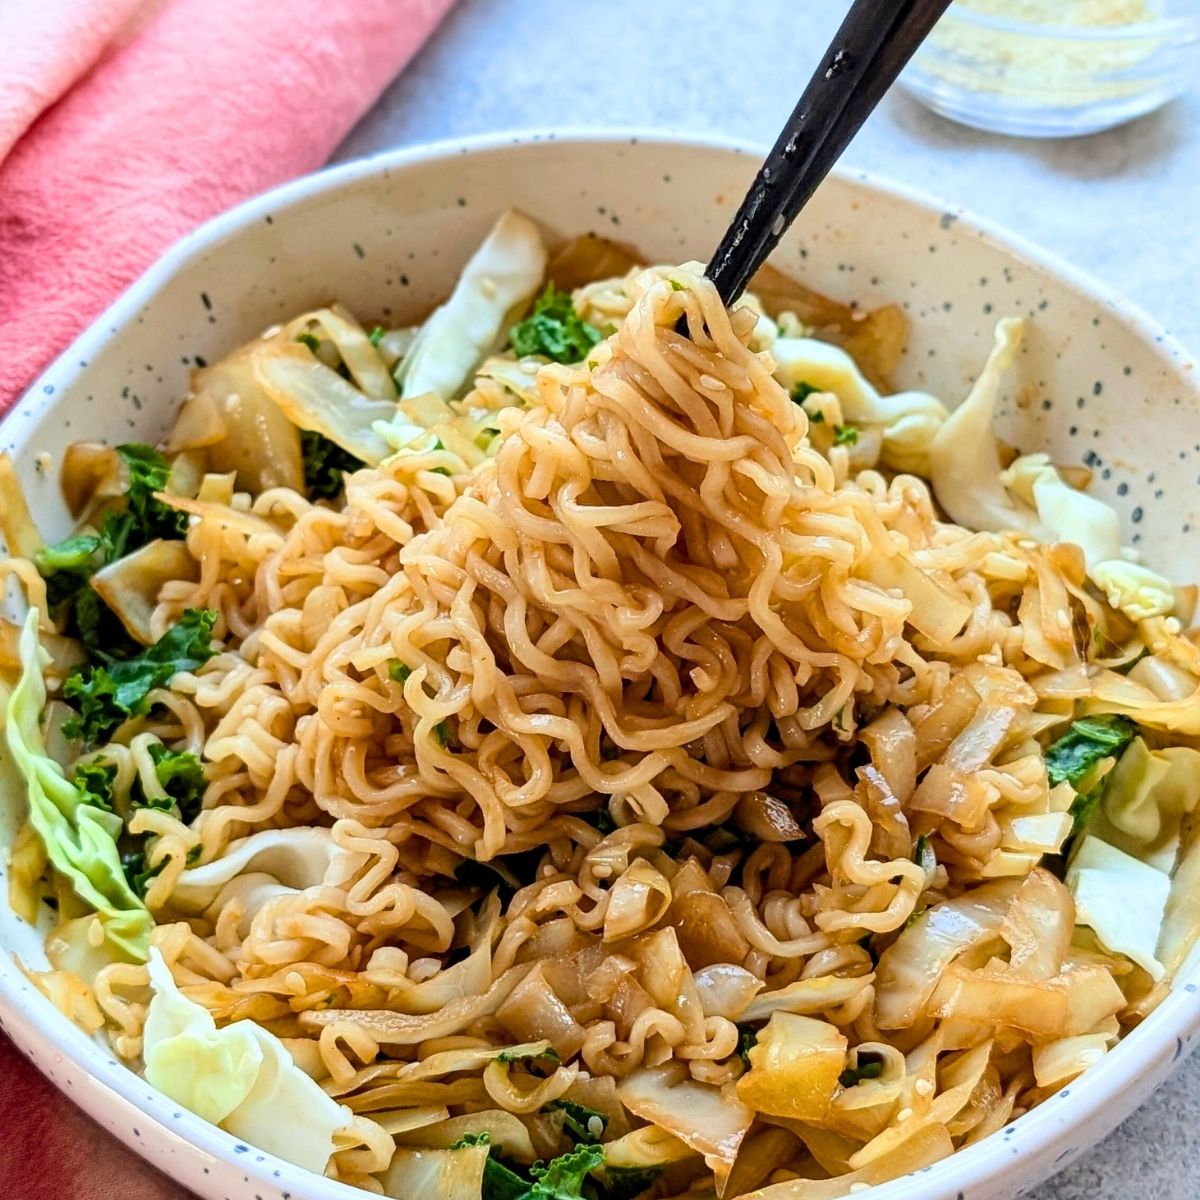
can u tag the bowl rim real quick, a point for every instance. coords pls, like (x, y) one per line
(40, 1024)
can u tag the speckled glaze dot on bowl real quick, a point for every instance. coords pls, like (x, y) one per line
(1098, 384)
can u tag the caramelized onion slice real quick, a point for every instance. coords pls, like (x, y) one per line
(130, 586)
(533, 1013)
(637, 901)
(261, 444)
(766, 818)
(90, 472)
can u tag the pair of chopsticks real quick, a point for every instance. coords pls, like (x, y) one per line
(870, 49)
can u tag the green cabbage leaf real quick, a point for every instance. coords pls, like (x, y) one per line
(240, 1077)
(80, 838)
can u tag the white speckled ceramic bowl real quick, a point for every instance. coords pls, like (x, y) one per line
(1100, 384)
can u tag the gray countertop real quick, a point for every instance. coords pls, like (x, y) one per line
(1122, 205)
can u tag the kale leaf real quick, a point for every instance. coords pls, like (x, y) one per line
(924, 856)
(554, 329)
(514, 1056)
(147, 517)
(133, 863)
(471, 1139)
(747, 1038)
(108, 694)
(1087, 742)
(325, 465)
(869, 1067)
(625, 1183)
(1083, 745)
(95, 778)
(182, 777)
(582, 1123)
(69, 565)
(562, 1177)
(179, 771)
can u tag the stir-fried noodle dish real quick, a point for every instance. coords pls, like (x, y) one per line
(595, 744)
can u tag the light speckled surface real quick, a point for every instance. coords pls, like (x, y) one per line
(1120, 205)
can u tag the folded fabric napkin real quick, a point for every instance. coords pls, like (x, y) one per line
(124, 124)
(204, 104)
(46, 47)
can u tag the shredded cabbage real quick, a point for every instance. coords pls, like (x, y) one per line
(1067, 514)
(300, 857)
(80, 839)
(1146, 797)
(1031, 496)
(1121, 899)
(795, 1065)
(452, 1174)
(1070, 515)
(908, 421)
(964, 458)
(1137, 591)
(712, 1121)
(500, 279)
(240, 1077)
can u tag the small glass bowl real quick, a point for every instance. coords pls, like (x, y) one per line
(1037, 80)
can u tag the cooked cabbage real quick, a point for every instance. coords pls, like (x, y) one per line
(908, 421)
(1146, 797)
(794, 1067)
(1137, 591)
(711, 1120)
(301, 857)
(451, 1174)
(80, 840)
(240, 1077)
(498, 281)
(1066, 514)
(964, 457)
(1120, 899)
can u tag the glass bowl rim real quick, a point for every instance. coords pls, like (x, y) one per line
(1163, 26)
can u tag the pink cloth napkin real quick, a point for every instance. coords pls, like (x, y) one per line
(209, 102)
(124, 124)
(45, 47)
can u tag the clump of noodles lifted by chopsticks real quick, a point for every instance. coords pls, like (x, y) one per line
(539, 755)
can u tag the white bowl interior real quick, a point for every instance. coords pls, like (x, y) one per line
(1098, 385)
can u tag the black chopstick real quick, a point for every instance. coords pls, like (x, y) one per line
(870, 49)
